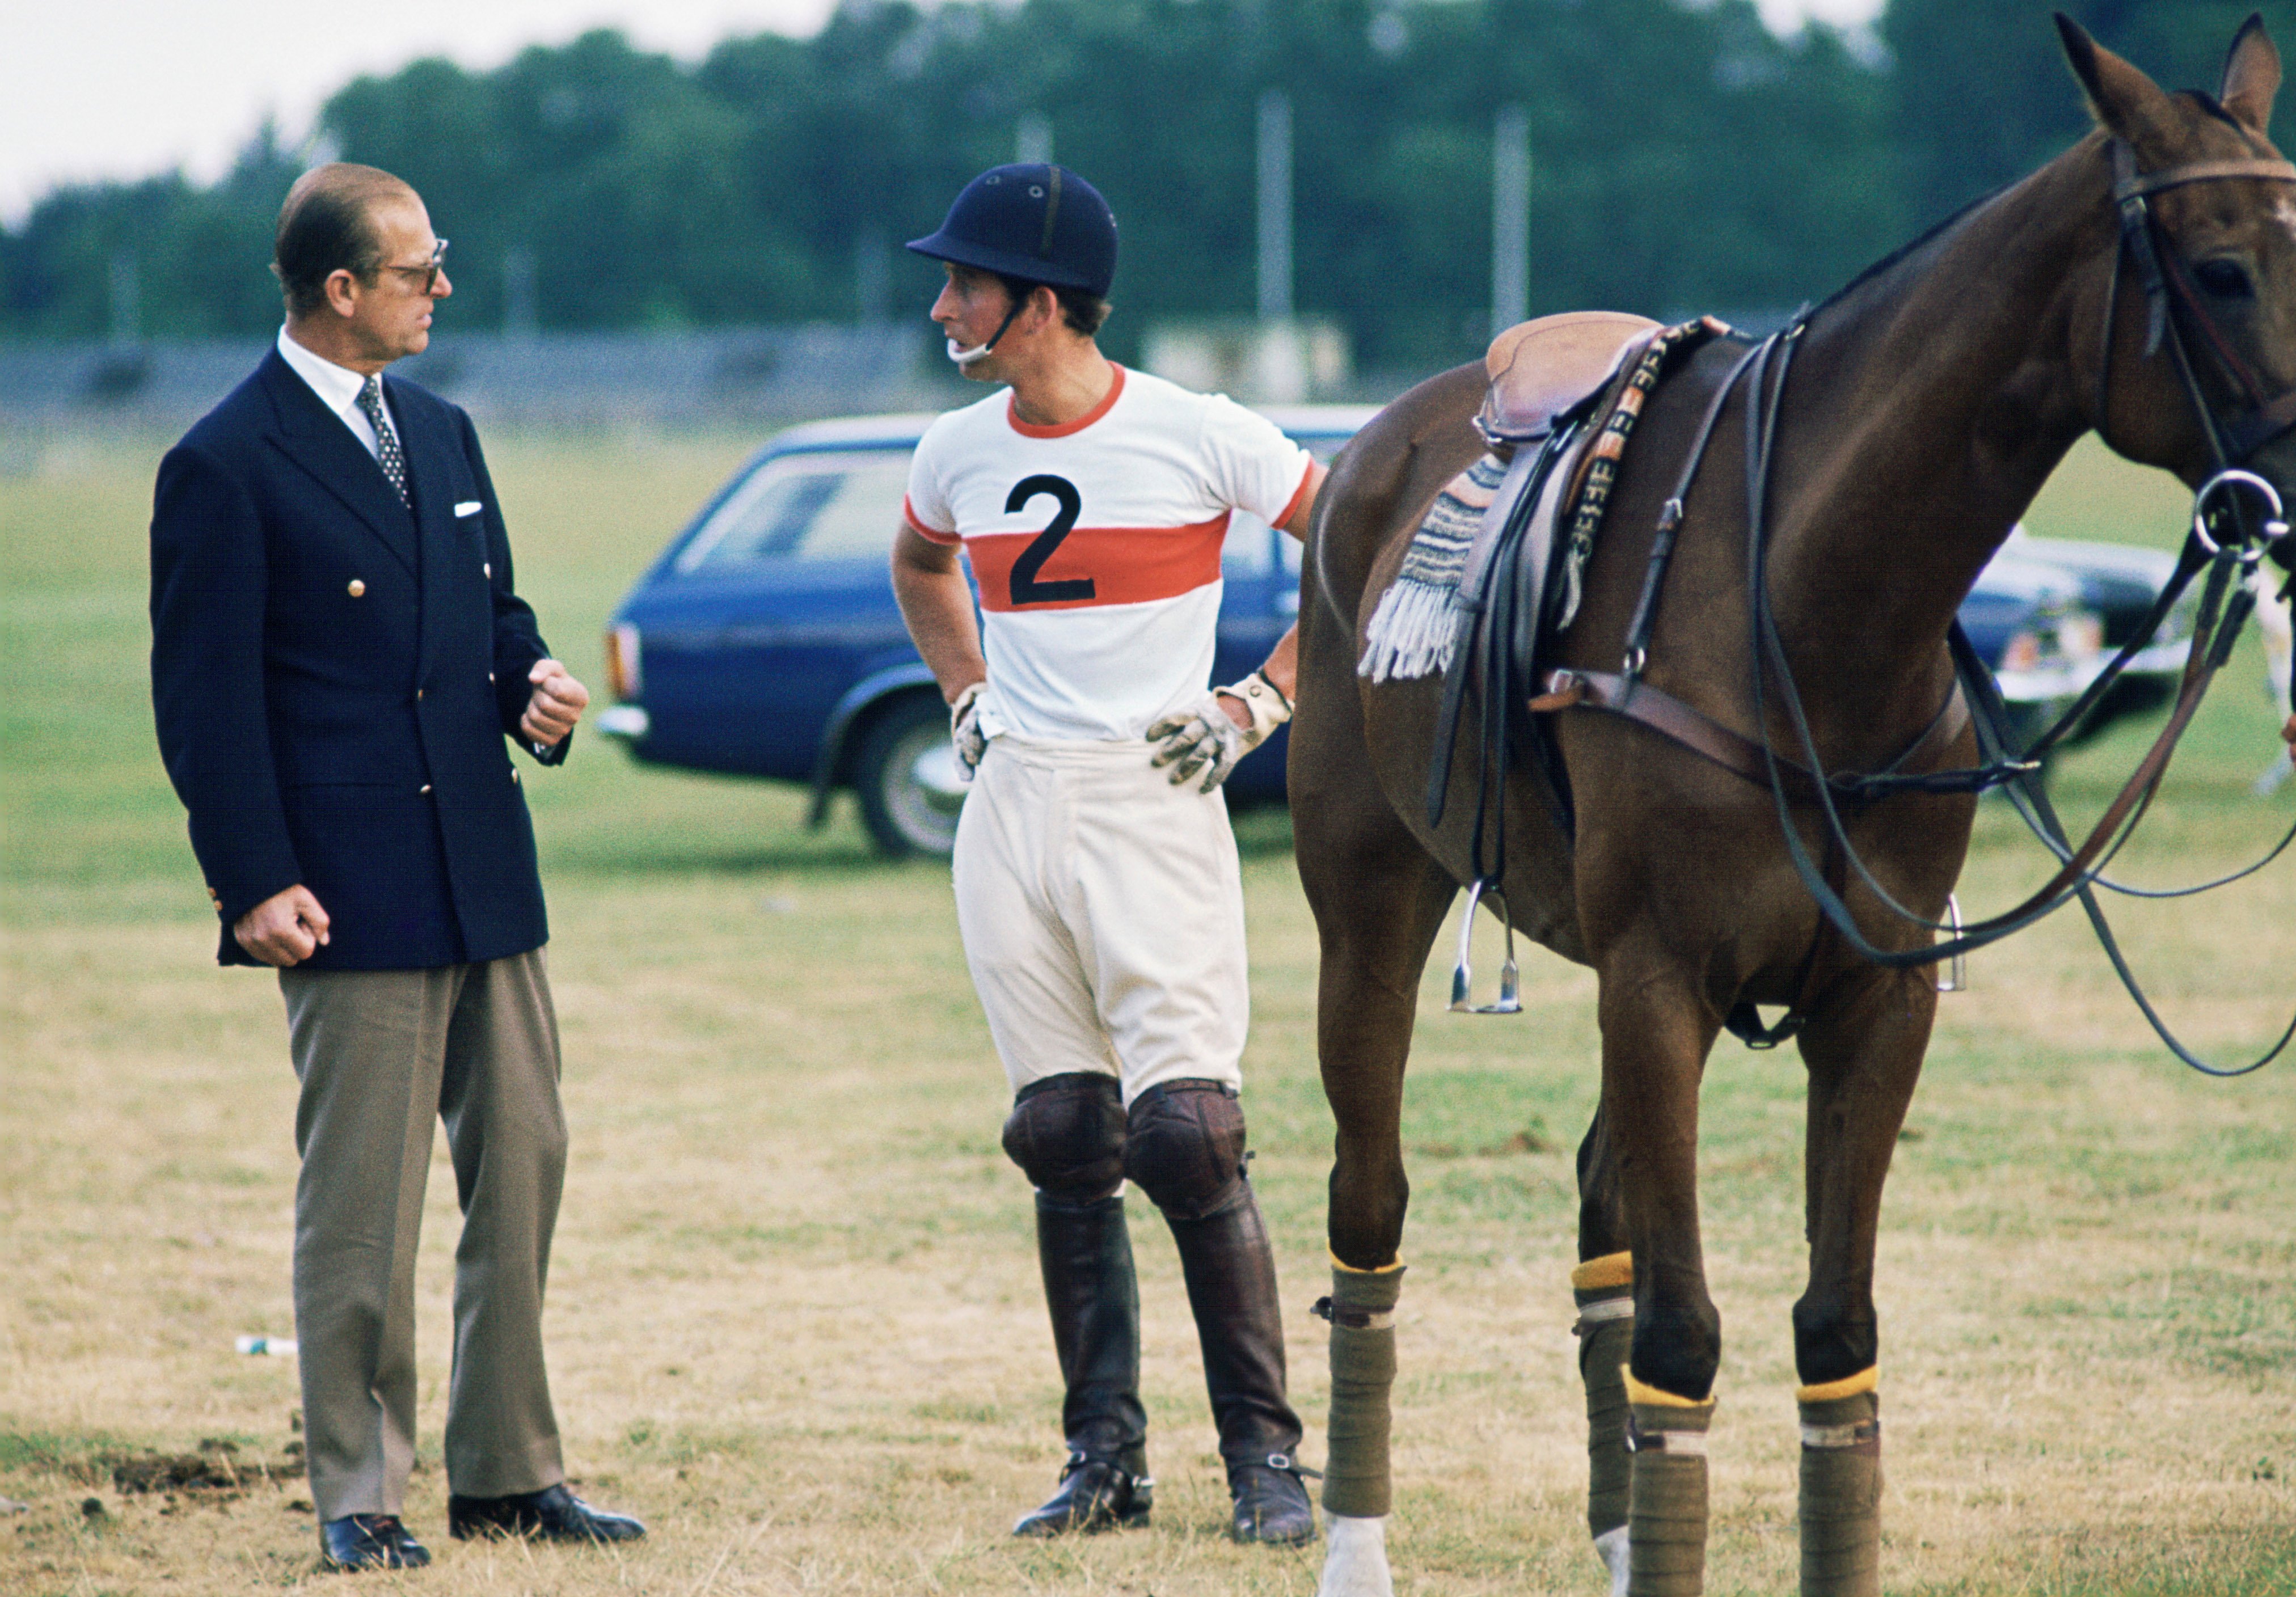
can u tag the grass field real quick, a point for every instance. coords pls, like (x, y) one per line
(794, 1320)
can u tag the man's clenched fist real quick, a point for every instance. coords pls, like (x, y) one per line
(558, 703)
(285, 928)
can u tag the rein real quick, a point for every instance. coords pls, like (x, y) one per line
(2224, 609)
(2221, 543)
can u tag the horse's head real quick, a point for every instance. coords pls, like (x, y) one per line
(2204, 303)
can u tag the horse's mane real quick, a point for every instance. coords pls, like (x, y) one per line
(1912, 247)
(2206, 102)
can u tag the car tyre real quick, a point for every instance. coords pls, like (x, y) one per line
(905, 775)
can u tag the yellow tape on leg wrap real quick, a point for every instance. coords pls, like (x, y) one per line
(1641, 1392)
(1826, 1391)
(1341, 1266)
(1598, 1274)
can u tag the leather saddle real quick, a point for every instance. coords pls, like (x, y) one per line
(1540, 369)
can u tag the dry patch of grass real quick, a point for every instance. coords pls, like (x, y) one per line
(794, 1320)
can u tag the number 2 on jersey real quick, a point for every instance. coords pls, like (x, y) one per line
(1025, 587)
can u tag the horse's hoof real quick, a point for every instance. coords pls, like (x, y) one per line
(1612, 1547)
(1357, 1564)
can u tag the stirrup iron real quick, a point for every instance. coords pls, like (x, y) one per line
(1509, 999)
(1955, 977)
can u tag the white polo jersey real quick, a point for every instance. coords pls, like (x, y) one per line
(1097, 546)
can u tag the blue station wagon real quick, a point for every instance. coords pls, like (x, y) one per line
(765, 641)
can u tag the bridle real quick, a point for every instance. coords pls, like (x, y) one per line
(2168, 287)
(2222, 541)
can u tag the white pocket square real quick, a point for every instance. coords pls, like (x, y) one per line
(469, 507)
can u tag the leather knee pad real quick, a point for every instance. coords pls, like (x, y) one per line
(1066, 1135)
(1183, 1146)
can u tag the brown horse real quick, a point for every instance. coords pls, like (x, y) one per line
(1926, 404)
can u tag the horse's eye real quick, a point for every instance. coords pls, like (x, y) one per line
(2224, 280)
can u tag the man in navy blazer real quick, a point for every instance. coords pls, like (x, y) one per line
(339, 660)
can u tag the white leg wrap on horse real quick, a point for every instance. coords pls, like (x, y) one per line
(1613, 1545)
(1355, 1564)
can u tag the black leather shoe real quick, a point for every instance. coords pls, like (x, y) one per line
(369, 1542)
(553, 1514)
(1271, 1503)
(1095, 1494)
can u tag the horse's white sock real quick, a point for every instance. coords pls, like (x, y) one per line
(1612, 1547)
(1356, 1566)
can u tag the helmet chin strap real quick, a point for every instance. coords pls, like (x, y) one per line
(965, 358)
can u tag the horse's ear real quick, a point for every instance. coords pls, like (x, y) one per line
(2252, 77)
(2125, 101)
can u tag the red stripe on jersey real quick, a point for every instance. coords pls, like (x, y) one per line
(1297, 494)
(932, 534)
(1126, 565)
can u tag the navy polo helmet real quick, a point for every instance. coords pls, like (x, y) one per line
(1037, 222)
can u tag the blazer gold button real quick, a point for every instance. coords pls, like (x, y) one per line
(426, 787)
(418, 692)
(514, 775)
(488, 569)
(358, 587)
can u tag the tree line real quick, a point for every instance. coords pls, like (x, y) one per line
(1682, 159)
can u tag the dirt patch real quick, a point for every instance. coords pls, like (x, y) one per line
(212, 1474)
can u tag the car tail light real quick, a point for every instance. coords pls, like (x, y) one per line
(2023, 653)
(624, 678)
(2081, 636)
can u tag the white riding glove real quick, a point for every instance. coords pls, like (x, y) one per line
(965, 732)
(1204, 737)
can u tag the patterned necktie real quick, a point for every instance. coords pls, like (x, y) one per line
(386, 442)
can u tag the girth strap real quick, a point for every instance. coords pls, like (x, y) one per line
(1671, 718)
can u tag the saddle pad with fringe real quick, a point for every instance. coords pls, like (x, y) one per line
(1414, 630)
(1410, 632)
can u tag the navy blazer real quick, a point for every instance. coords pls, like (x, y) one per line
(334, 676)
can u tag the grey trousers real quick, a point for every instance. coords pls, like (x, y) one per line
(383, 1056)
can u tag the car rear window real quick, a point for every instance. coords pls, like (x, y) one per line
(813, 506)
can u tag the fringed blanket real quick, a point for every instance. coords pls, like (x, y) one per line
(1412, 632)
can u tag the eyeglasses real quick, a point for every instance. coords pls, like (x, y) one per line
(430, 273)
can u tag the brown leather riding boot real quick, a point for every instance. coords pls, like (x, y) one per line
(1085, 1252)
(1231, 1274)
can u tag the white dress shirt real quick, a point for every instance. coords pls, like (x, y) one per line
(337, 388)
